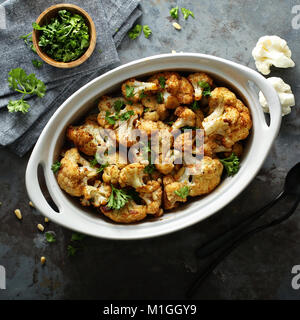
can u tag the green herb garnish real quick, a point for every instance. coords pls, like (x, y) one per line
(142, 94)
(206, 88)
(65, 38)
(50, 237)
(135, 31)
(77, 236)
(93, 162)
(150, 168)
(231, 164)
(102, 167)
(37, 63)
(174, 12)
(110, 119)
(126, 115)
(56, 166)
(162, 82)
(195, 106)
(118, 105)
(159, 98)
(118, 198)
(186, 13)
(25, 84)
(147, 31)
(182, 192)
(71, 250)
(129, 91)
(28, 41)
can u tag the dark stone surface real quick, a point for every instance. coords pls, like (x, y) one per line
(164, 267)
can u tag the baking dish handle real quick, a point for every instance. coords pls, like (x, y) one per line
(33, 185)
(272, 99)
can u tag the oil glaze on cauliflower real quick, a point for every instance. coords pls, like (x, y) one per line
(155, 144)
(272, 50)
(285, 94)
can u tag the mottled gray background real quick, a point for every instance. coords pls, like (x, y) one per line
(164, 267)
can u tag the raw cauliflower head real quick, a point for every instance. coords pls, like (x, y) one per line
(134, 90)
(89, 137)
(201, 178)
(272, 50)
(75, 173)
(197, 79)
(228, 117)
(130, 213)
(285, 95)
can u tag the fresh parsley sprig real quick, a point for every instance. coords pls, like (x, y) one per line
(19, 81)
(137, 29)
(118, 198)
(231, 164)
(55, 166)
(186, 13)
(182, 192)
(206, 88)
(174, 12)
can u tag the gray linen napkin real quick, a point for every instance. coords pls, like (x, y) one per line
(112, 19)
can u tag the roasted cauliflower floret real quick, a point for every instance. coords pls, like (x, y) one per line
(172, 192)
(97, 194)
(133, 175)
(89, 137)
(111, 174)
(165, 162)
(213, 144)
(130, 213)
(133, 89)
(152, 195)
(186, 117)
(204, 176)
(153, 109)
(75, 172)
(228, 117)
(198, 81)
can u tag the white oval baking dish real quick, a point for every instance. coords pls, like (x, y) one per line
(72, 216)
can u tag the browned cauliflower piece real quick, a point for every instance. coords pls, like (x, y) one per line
(75, 173)
(153, 109)
(196, 79)
(186, 117)
(116, 161)
(111, 174)
(89, 137)
(170, 198)
(185, 93)
(130, 213)
(204, 176)
(133, 89)
(228, 117)
(133, 175)
(97, 194)
(152, 195)
(213, 144)
(165, 162)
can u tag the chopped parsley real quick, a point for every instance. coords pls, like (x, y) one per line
(77, 236)
(71, 250)
(186, 13)
(135, 31)
(102, 167)
(206, 88)
(37, 63)
(129, 90)
(118, 105)
(94, 162)
(125, 116)
(118, 198)
(65, 38)
(50, 237)
(55, 166)
(182, 192)
(111, 119)
(162, 82)
(159, 98)
(142, 94)
(147, 31)
(231, 164)
(195, 106)
(174, 12)
(150, 168)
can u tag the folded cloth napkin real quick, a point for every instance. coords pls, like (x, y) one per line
(112, 18)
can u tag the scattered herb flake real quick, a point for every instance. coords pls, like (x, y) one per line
(135, 31)
(182, 192)
(71, 250)
(162, 82)
(129, 91)
(37, 63)
(50, 237)
(147, 31)
(174, 12)
(55, 166)
(77, 236)
(159, 98)
(231, 164)
(186, 13)
(206, 88)
(118, 198)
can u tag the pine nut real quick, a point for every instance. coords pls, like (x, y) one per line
(18, 214)
(40, 227)
(176, 25)
(31, 204)
(46, 220)
(43, 260)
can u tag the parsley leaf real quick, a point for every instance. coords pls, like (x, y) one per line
(182, 192)
(150, 168)
(160, 98)
(129, 90)
(102, 167)
(71, 250)
(135, 32)
(174, 12)
(37, 63)
(118, 198)
(77, 236)
(147, 31)
(94, 162)
(195, 106)
(50, 237)
(231, 164)
(65, 38)
(18, 106)
(186, 13)
(28, 38)
(110, 119)
(125, 116)
(56, 166)
(162, 82)
(118, 105)
(206, 88)
(142, 94)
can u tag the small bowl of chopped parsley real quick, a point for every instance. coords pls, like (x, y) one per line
(64, 36)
